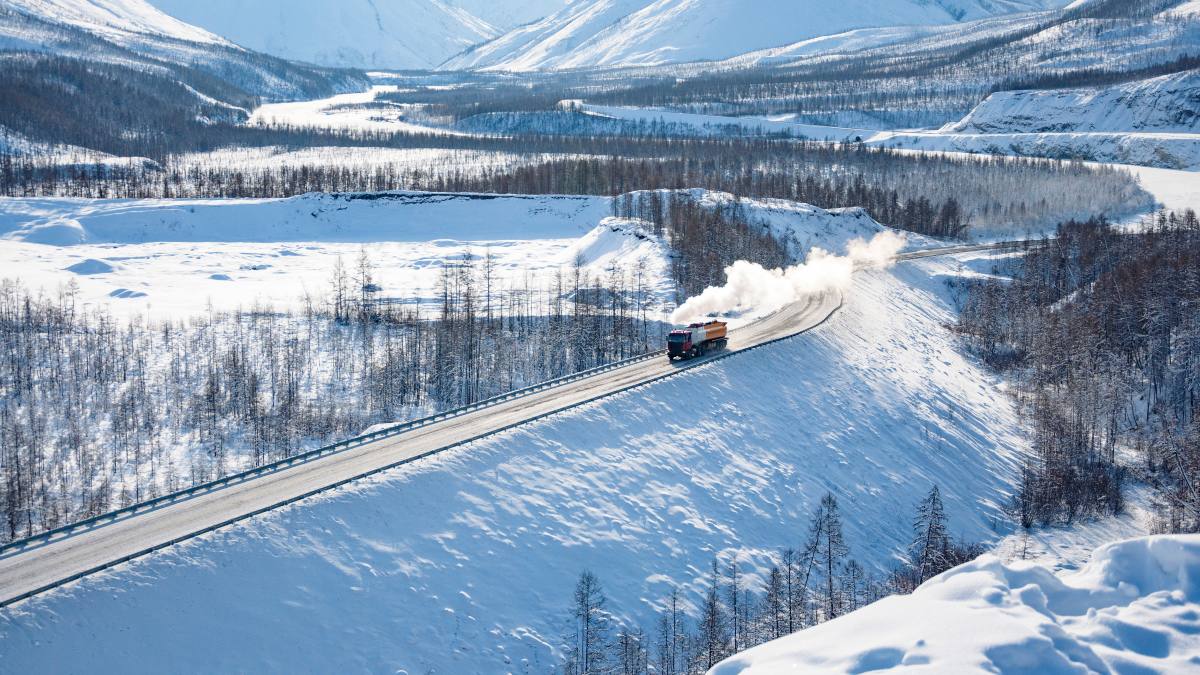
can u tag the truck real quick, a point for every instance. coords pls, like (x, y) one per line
(697, 340)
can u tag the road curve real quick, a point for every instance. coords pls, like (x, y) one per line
(41, 567)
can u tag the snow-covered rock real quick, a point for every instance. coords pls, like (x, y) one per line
(1135, 608)
(646, 32)
(1170, 103)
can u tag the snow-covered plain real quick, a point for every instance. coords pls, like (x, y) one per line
(176, 258)
(1135, 608)
(347, 112)
(465, 563)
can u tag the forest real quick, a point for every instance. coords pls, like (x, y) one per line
(930, 194)
(1099, 328)
(97, 413)
(742, 607)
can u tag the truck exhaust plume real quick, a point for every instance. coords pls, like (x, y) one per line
(752, 289)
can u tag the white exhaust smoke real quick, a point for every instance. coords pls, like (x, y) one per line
(752, 289)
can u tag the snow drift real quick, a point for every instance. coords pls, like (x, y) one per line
(751, 289)
(1135, 608)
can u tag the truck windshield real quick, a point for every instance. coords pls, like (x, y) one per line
(677, 338)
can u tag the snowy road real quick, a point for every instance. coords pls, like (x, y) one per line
(44, 566)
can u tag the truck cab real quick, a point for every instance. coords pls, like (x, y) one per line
(679, 344)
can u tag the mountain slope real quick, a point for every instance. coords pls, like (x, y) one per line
(1170, 103)
(115, 18)
(508, 14)
(645, 32)
(1135, 608)
(350, 33)
(133, 34)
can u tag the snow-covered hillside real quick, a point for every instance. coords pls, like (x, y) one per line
(115, 18)
(466, 563)
(1170, 103)
(133, 34)
(644, 32)
(1135, 608)
(349, 33)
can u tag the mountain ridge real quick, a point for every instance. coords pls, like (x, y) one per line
(616, 33)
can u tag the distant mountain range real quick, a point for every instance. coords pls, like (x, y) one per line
(395, 34)
(649, 32)
(524, 35)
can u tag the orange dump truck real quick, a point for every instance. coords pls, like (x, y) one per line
(697, 340)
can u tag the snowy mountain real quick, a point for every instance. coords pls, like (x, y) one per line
(359, 33)
(1134, 608)
(86, 63)
(644, 32)
(1170, 103)
(114, 18)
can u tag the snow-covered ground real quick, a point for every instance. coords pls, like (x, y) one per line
(1170, 103)
(348, 112)
(176, 258)
(1070, 547)
(465, 563)
(1135, 608)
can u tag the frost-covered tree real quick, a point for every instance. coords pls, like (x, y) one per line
(826, 551)
(589, 645)
(931, 539)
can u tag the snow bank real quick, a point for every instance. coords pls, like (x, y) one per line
(1135, 608)
(465, 563)
(619, 242)
(90, 266)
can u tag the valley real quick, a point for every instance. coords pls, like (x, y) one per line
(334, 334)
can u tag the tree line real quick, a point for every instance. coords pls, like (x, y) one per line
(930, 194)
(1101, 331)
(743, 607)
